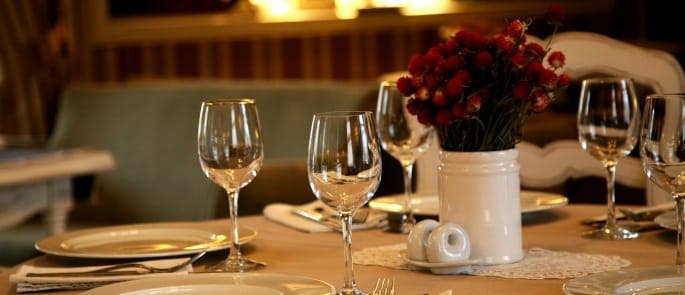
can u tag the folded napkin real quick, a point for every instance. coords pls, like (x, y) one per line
(35, 284)
(282, 213)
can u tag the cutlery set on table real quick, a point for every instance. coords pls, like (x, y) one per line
(640, 219)
(137, 244)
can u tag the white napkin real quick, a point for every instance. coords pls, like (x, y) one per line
(282, 213)
(35, 284)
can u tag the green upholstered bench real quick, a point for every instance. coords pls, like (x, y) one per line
(151, 129)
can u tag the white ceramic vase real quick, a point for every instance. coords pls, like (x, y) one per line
(480, 191)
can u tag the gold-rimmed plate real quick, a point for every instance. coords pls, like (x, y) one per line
(145, 240)
(531, 201)
(220, 283)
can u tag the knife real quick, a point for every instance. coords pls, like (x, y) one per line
(318, 218)
(87, 274)
(650, 209)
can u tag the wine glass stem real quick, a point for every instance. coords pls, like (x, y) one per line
(407, 190)
(680, 210)
(349, 285)
(611, 197)
(235, 254)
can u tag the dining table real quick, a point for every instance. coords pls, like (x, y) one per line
(319, 255)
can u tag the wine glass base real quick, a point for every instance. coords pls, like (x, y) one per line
(353, 291)
(606, 233)
(236, 265)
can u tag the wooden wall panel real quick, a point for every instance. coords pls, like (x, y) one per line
(241, 59)
(340, 56)
(187, 60)
(292, 58)
(358, 55)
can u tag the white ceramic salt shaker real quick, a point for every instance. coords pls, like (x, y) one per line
(448, 243)
(418, 238)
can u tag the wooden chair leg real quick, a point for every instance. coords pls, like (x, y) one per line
(59, 204)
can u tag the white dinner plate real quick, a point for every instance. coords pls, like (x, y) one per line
(667, 220)
(220, 283)
(145, 240)
(651, 280)
(531, 201)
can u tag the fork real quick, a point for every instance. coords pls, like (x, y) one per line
(384, 286)
(110, 270)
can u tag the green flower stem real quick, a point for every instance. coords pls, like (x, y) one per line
(504, 128)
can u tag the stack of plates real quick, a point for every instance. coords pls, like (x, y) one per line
(152, 240)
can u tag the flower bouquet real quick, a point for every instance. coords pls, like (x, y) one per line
(479, 91)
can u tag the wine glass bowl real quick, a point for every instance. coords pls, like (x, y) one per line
(608, 126)
(403, 137)
(230, 151)
(344, 169)
(662, 150)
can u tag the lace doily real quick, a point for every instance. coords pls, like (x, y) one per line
(537, 264)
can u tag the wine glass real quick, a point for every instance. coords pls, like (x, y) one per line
(229, 145)
(608, 124)
(344, 168)
(662, 149)
(403, 137)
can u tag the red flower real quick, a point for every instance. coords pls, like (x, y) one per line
(413, 106)
(452, 46)
(417, 81)
(475, 41)
(533, 69)
(521, 90)
(404, 85)
(432, 58)
(556, 59)
(439, 98)
(451, 64)
(454, 87)
(432, 81)
(423, 94)
(458, 111)
(416, 64)
(464, 76)
(564, 80)
(535, 49)
(519, 60)
(444, 116)
(516, 29)
(484, 59)
(540, 102)
(548, 79)
(472, 76)
(473, 104)
(440, 48)
(505, 43)
(426, 116)
(460, 36)
(555, 14)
